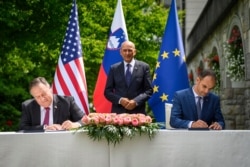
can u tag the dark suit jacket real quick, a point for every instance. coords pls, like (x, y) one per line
(140, 88)
(184, 109)
(64, 108)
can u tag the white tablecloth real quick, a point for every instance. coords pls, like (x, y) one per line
(173, 148)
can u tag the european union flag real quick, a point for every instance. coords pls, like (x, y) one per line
(170, 72)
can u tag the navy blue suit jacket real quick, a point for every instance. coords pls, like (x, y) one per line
(140, 88)
(64, 108)
(184, 109)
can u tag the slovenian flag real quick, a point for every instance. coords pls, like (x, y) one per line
(118, 34)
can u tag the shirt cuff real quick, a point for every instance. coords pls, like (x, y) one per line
(190, 124)
(119, 102)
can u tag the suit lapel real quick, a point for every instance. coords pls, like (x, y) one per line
(121, 70)
(122, 73)
(37, 110)
(192, 102)
(135, 70)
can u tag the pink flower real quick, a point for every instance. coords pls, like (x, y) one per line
(95, 120)
(102, 118)
(93, 115)
(140, 115)
(116, 120)
(135, 122)
(120, 121)
(126, 120)
(108, 119)
(148, 119)
(85, 120)
(142, 120)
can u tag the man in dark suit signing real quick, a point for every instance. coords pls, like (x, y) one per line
(47, 111)
(197, 107)
(128, 86)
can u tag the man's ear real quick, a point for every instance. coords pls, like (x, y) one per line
(135, 52)
(198, 79)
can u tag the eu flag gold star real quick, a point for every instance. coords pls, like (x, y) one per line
(154, 77)
(164, 97)
(164, 55)
(157, 64)
(176, 52)
(155, 88)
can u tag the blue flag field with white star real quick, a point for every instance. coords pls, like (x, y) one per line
(170, 73)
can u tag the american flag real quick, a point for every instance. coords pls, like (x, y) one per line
(70, 77)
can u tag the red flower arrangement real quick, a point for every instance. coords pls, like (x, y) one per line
(215, 58)
(114, 127)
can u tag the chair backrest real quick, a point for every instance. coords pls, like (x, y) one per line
(168, 107)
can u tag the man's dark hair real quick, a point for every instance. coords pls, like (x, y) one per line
(207, 72)
(38, 80)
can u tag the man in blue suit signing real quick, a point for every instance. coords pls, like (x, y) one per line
(197, 107)
(128, 86)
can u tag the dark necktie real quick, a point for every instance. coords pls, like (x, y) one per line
(198, 105)
(46, 117)
(128, 74)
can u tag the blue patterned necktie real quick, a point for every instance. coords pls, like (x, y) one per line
(128, 74)
(198, 105)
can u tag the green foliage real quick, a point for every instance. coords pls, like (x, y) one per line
(115, 134)
(32, 32)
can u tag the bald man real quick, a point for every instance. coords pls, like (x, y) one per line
(129, 84)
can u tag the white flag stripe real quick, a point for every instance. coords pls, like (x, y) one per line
(55, 82)
(119, 19)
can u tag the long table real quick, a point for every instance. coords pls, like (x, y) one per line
(173, 148)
